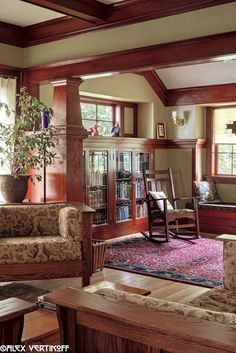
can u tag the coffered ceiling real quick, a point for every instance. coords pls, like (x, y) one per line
(26, 23)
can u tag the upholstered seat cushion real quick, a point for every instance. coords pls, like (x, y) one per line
(38, 249)
(218, 299)
(155, 304)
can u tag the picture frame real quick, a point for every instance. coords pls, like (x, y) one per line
(161, 130)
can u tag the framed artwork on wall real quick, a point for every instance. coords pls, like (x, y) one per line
(161, 130)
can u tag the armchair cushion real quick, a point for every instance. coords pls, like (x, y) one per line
(206, 191)
(155, 304)
(230, 266)
(70, 223)
(38, 250)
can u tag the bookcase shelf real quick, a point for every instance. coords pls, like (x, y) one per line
(113, 186)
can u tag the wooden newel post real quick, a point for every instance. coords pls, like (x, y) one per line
(64, 179)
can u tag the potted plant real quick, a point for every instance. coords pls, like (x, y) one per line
(24, 145)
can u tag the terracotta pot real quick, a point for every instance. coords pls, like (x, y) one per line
(14, 188)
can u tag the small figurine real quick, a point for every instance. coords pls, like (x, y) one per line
(94, 130)
(115, 131)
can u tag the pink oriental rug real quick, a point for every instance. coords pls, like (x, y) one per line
(197, 261)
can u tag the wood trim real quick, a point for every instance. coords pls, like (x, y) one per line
(197, 50)
(157, 85)
(210, 168)
(11, 34)
(223, 179)
(90, 10)
(201, 95)
(118, 14)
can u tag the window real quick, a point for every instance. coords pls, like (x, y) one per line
(224, 142)
(99, 114)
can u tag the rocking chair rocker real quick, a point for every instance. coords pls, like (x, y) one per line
(164, 218)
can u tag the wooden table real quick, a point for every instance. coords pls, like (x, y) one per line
(12, 311)
(107, 284)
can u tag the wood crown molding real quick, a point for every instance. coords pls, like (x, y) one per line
(90, 15)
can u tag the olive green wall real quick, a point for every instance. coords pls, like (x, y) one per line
(11, 55)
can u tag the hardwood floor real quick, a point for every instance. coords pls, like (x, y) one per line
(41, 326)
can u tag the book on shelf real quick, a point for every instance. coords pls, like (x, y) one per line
(43, 304)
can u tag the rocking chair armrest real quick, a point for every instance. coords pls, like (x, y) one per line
(186, 198)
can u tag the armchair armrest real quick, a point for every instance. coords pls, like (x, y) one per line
(70, 223)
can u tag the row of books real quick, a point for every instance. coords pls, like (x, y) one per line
(100, 217)
(123, 190)
(141, 210)
(140, 190)
(123, 213)
(98, 197)
(97, 178)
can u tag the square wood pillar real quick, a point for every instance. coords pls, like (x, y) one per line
(65, 177)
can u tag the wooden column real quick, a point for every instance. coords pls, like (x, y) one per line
(65, 178)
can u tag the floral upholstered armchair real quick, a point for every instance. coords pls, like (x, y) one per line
(223, 298)
(45, 241)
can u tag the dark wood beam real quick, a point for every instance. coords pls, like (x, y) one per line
(11, 34)
(156, 84)
(198, 50)
(118, 14)
(202, 95)
(90, 10)
(136, 10)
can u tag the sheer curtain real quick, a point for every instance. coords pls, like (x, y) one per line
(7, 95)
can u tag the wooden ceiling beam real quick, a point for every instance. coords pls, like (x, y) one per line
(11, 34)
(89, 10)
(91, 15)
(157, 85)
(198, 50)
(136, 10)
(223, 93)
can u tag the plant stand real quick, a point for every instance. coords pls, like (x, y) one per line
(98, 254)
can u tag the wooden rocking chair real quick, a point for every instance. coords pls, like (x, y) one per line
(164, 218)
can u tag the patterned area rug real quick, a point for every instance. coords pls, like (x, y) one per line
(21, 291)
(197, 261)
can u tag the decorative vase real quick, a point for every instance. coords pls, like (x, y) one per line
(14, 188)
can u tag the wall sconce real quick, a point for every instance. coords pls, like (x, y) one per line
(232, 126)
(176, 120)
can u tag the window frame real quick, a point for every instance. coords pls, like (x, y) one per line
(211, 152)
(118, 112)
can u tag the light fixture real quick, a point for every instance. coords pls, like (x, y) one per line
(232, 126)
(177, 120)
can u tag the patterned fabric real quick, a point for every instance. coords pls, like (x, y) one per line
(155, 304)
(40, 233)
(217, 299)
(70, 223)
(38, 249)
(30, 219)
(230, 266)
(157, 195)
(206, 191)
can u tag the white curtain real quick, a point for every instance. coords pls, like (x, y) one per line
(7, 95)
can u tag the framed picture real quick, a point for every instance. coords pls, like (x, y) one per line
(161, 130)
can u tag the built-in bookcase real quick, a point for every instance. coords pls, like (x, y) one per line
(113, 185)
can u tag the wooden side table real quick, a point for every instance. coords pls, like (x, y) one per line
(107, 284)
(12, 311)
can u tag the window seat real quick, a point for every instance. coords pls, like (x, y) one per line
(217, 218)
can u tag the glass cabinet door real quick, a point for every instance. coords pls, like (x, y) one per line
(98, 179)
(142, 162)
(123, 186)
